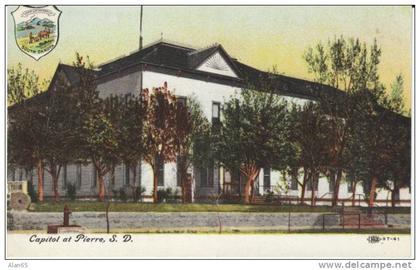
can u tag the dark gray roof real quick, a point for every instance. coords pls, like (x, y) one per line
(197, 57)
(286, 85)
(166, 54)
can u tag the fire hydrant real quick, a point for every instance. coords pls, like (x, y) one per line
(67, 212)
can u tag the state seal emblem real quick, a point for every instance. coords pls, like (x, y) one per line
(36, 29)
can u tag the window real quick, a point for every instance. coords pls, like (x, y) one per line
(207, 175)
(161, 171)
(215, 114)
(331, 186)
(126, 174)
(397, 195)
(20, 174)
(79, 175)
(267, 178)
(31, 175)
(181, 100)
(366, 187)
(94, 176)
(64, 176)
(139, 173)
(294, 184)
(349, 187)
(310, 183)
(179, 164)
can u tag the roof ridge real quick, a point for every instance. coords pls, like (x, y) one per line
(214, 45)
(147, 46)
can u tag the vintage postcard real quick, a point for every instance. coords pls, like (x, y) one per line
(219, 132)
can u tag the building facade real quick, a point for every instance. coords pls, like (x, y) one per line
(211, 76)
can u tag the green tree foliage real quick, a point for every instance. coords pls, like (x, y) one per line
(21, 84)
(101, 143)
(159, 130)
(96, 123)
(311, 133)
(129, 114)
(379, 145)
(253, 134)
(26, 123)
(26, 144)
(192, 140)
(350, 66)
(396, 102)
(61, 131)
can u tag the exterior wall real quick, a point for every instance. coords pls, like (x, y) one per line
(127, 84)
(325, 192)
(205, 93)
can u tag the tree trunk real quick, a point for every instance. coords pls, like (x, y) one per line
(107, 215)
(394, 193)
(182, 174)
(183, 190)
(251, 173)
(54, 177)
(155, 183)
(184, 184)
(333, 182)
(40, 171)
(247, 188)
(337, 187)
(302, 192)
(353, 190)
(101, 187)
(314, 180)
(252, 192)
(134, 167)
(372, 191)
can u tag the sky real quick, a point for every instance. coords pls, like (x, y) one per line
(262, 37)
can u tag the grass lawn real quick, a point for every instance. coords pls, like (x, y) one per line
(84, 206)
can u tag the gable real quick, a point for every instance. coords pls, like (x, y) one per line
(216, 63)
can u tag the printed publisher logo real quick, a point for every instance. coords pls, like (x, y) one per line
(36, 29)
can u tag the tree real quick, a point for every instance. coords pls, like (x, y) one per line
(396, 102)
(347, 65)
(101, 142)
(368, 143)
(310, 132)
(159, 132)
(129, 122)
(95, 123)
(398, 159)
(60, 132)
(253, 134)
(26, 123)
(192, 131)
(21, 84)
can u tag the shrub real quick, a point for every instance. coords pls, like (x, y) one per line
(172, 196)
(115, 194)
(122, 194)
(162, 194)
(269, 196)
(71, 191)
(167, 195)
(138, 193)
